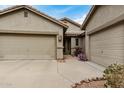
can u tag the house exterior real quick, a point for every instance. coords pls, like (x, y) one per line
(26, 33)
(72, 38)
(104, 34)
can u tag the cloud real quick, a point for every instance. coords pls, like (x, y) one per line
(59, 13)
(63, 10)
(53, 9)
(56, 11)
(81, 19)
(4, 6)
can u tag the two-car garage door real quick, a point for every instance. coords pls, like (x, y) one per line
(107, 46)
(20, 46)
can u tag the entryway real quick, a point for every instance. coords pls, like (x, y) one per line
(67, 45)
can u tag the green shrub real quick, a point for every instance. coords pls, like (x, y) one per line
(114, 74)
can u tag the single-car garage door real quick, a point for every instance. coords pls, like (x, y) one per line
(107, 46)
(19, 46)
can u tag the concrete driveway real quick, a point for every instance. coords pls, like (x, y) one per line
(44, 73)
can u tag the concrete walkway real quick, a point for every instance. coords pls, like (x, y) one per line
(44, 73)
(75, 71)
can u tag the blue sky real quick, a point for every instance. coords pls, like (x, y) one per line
(74, 12)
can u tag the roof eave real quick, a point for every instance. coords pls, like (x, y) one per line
(71, 21)
(8, 10)
(92, 10)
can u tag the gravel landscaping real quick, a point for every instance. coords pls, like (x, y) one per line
(90, 83)
(93, 84)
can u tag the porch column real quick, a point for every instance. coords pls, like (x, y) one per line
(87, 45)
(59, 39)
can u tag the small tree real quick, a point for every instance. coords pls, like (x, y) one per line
(114, 75)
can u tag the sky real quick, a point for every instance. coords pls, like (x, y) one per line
(74, 12)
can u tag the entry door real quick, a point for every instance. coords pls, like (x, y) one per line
(67, 45)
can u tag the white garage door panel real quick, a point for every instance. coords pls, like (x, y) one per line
(27, 46)
(107, 47)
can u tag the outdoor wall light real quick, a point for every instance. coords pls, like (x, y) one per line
(60, 38)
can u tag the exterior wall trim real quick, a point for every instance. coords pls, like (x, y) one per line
(107, 24)
(29, 32)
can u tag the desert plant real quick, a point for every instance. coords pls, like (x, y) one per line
(80, 54)
(114, 75)
(77, 51)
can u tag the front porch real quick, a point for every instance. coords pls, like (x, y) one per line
(71, 43)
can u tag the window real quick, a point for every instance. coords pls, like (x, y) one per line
(77, 41)
(25, 14)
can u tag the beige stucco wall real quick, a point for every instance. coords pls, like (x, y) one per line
(82, 43)
(59, 46)
(17, 22)
(104, 14)
(73, 44)
(107, 46)
(87, 45)
(72, 27)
